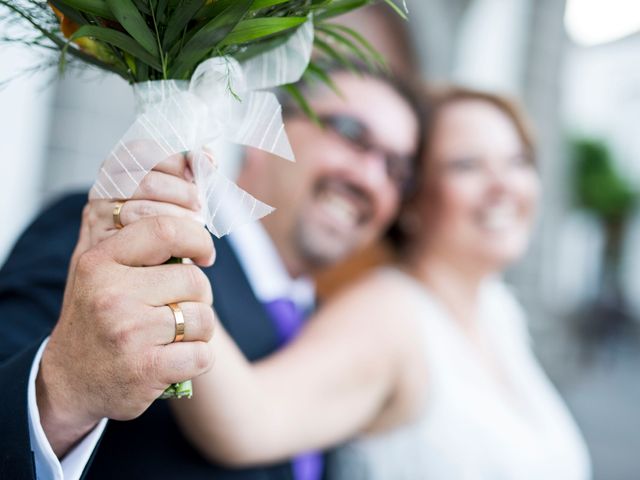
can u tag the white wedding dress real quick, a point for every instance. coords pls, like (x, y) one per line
(473, 427)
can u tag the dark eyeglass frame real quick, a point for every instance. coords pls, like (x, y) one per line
(357, 135)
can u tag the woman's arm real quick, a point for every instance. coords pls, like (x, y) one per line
(350, 363)
(326, 386)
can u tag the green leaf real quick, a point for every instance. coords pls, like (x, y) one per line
(94, 7)
(162, 10)
(142, 71)
(209, 36)
(347, 43)
(259, 4)
(255, 28)
(339, 7)
(179, 19)
(132, 21)
(396, 9)
(302, 102)
(64, 46)
(334, 54)
(213, 9)
(263, 46)
(317, 71)
(142, 6)
(364, 42)
(119, 40)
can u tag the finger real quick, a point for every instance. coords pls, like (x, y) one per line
(176, 165)
(134, 210)
(162, 187)
(172, 283)
(154, 240)
(198, 317)
(178, 362)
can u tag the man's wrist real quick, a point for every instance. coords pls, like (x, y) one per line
(63, 420)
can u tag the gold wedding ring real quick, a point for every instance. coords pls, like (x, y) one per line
(179, 318)
(116, 215)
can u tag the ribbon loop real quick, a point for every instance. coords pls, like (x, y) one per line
(223, 101)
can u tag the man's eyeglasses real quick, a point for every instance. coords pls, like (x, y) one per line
(357, 135)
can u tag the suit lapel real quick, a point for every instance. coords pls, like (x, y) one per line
(239, 310)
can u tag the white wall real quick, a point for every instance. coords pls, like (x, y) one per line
(25, 105)
(91, 111)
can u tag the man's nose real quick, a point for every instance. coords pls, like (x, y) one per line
(372, 170)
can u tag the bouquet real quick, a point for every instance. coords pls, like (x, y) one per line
(201, 72)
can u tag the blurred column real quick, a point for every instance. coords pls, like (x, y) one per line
(490, 52)
(434, 24)
(542, 94)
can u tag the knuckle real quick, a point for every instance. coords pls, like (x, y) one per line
(87, 262)
(145, 209)
(202, 356)
(207, 322)
(85, 211)
(120, 337)
(89, 215)
(92, 218)
(197, 280)
(148, 186)
(105, 299)
(164, 229)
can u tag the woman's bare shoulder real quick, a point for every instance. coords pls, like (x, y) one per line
(377, 285)
(381, 302)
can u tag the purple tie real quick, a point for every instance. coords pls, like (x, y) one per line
(288, 319)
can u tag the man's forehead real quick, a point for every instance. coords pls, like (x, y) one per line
(352, 89)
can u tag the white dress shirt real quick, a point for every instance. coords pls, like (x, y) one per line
(48, 466)
(268, 279)
(264, 269)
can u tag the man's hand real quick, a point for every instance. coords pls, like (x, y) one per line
(111, 353)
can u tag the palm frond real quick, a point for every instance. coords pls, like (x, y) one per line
(161, 39)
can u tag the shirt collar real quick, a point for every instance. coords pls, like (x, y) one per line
(265, 270)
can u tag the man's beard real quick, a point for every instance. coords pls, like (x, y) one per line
(320, 248)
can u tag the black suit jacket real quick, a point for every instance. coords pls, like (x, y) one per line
(31, 288)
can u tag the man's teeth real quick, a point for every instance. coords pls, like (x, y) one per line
(498, 218)
(340, 208)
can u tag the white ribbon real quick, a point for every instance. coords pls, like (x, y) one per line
(223, 103)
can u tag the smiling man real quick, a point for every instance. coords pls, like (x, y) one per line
(342, 193)
(350, 172)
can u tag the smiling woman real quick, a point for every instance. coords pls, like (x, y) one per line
(479, 186)
(434, 329)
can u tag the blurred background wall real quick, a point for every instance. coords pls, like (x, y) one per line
(576, 67)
